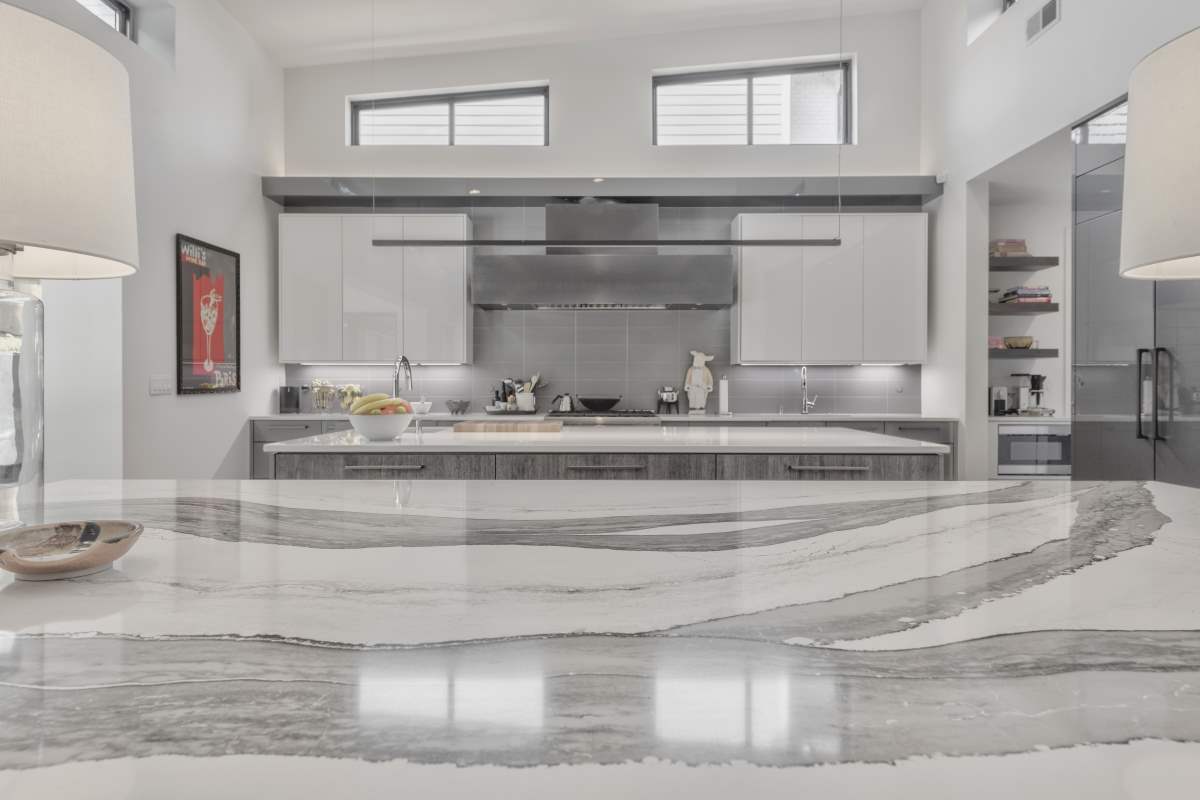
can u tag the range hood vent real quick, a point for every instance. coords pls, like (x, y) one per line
(594, 277)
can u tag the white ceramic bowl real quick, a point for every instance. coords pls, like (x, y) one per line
(380, 427)
(422, 406)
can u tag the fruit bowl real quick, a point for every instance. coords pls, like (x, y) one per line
(380, 427)
(66, 549)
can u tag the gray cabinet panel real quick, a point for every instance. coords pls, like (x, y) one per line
(794, 424)
(605, 466)
(336, 425)
(829, 467)
(939, 432)
(434, 466)
(262, 465)
(280, 431)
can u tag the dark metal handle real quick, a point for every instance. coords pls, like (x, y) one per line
(1170, 392)
(386, 468)
(925, 428)
(801, 468)
(1139, 359)
(634, 467)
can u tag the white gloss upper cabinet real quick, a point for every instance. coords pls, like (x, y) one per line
(372, 288)
(310, 287)
(832, 305)
(437, 311)
(895, 288)
(863, 301)
(767, 327)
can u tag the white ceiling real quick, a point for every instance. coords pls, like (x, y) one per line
(304, 32)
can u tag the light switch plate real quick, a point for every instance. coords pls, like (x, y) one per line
(161, 384)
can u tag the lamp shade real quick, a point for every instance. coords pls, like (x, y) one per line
(66, 153)
(1160, 236)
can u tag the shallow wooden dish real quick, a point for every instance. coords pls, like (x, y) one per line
(66, 549)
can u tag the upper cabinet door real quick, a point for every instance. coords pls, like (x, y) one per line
(310, 287)
(833, 291)
(895, 287)
(770, 290)
(436, 312)
(372, 288)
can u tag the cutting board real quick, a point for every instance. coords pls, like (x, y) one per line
(514, 426)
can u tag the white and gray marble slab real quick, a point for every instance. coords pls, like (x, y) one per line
(622, 439)
(610, 639)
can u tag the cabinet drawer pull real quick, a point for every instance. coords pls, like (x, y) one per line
(385, 468)
(800, 468)
(917, 428)
(634, 467)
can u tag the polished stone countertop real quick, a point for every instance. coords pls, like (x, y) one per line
(613, 639)
(621, 439)
(699, 419)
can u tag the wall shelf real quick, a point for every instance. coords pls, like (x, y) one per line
(1021, 263)
(1021, 309)
(1014, 353)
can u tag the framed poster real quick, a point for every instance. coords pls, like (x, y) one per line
(208, 333)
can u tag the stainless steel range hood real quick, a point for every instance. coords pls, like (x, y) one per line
(600, 277)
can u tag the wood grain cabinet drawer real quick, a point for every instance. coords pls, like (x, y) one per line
(829, 467)
(434, 466)
(605, 466)
(280, 431)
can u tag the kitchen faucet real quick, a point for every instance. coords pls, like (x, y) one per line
(401, 363)
(809, 405)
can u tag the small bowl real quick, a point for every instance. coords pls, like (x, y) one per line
(380, 427)
(66, 549)
(422, 406)
(599, 404)
(1018, 342)
(458, 406)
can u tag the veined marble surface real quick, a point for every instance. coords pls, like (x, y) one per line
(621, 439)
(609, 639)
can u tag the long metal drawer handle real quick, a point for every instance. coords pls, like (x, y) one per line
(394, 468)
(799, 468)
(607, 466)
(910, 428)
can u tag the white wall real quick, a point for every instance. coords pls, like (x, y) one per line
(205, 129)
(984, 103)
(600, 116)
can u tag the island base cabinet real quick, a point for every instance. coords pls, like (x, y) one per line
(606, 466)
(439, 466)
(829, 468)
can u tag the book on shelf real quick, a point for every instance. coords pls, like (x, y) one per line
(1002, 248)
(1026, 300)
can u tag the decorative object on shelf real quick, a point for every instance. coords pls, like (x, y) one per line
(65, 549)
(208, 318)
(698, 382)
(67, 211)
(1160, 239)
(995, 343)
(1009, 247)
(323, 393)
(458, 406)
(347, 394)
(1027, 294)
(1018, 342)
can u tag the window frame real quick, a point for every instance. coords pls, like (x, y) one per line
(750, 73)
(450, 99)
(124, 17)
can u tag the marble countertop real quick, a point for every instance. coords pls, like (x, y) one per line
(613, 639)
(709, 419)
(621, 439)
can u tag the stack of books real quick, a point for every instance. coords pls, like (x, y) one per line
(1009, 247)
(1027, 294)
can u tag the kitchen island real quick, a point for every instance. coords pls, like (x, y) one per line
(616, 639)
(649, 452)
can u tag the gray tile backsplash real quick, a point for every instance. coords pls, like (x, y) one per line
(631, 354)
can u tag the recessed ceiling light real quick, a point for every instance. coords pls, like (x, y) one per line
(597, 180)
(472, 191)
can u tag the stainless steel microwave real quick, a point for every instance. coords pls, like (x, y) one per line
(1033, 449)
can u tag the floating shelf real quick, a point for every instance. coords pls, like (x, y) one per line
(1014, 353)
(1021, 263)
(1020, 309)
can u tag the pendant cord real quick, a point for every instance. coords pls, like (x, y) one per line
(845, 111)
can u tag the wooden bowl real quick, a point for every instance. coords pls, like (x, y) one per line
(66, 549)
(1018, 342)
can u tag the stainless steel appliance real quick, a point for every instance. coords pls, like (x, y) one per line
(289, 399)
(668, 400)
(598, 277)
(636, 416)
(1023, 449)
(1137, 363)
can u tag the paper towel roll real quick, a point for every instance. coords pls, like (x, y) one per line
(723, 396)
